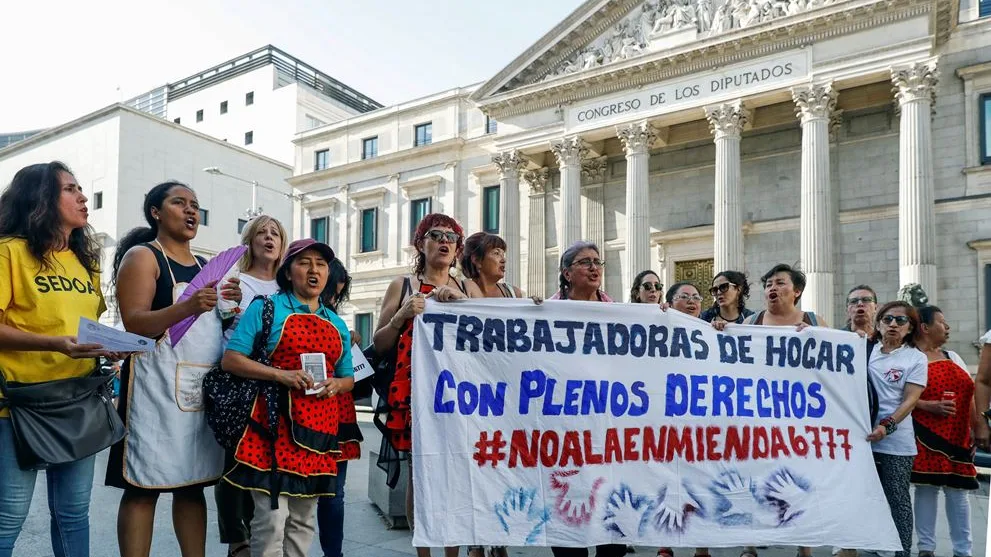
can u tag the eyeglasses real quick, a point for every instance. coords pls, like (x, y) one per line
(441, 235)
(863, 300)
(721, 289)
(651, 286)
(899, 319)
(589, 263)
(687, 297)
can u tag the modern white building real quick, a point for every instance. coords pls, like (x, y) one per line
(259, 101)
(118, 153)
(852, 137)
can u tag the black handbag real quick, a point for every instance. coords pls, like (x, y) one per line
(61, 421)
(228, 398)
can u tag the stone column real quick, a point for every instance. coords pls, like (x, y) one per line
(915, 90)
(815, 105)
(593, 203)
(569, 153)
(510, 164)
(536, 284)
(727, 121)
(637, 139)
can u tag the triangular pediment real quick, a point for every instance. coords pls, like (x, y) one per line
(602, 36)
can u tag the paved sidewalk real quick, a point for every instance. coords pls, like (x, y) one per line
(366, 533)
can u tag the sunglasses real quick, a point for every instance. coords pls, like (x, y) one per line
(651, 286)
(898, 319)
(721, 289)
(589, 263)
(864, 300)
(686, 297)
(440, 236)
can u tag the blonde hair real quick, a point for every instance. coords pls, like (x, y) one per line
(249, 233)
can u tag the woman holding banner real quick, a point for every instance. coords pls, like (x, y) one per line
(266, 240)
(438, 241)
(899, 373)
(730, 291)
(580, 277)
(942, 421)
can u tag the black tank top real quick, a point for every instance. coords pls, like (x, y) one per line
(163, 286)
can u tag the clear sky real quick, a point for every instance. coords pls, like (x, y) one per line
(65, 58)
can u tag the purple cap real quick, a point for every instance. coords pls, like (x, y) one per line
(299, 246)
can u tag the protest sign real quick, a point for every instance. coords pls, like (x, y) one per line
(578, 423)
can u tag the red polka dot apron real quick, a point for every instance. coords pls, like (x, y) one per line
(399, 421)
(312, 434)
(944, 442)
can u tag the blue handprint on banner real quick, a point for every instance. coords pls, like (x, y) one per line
(627, 513)
(521, 518)
(791, 493)
(738, 502)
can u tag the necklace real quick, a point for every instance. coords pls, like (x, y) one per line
(727, 319)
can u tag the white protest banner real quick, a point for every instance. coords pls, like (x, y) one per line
(579, 423)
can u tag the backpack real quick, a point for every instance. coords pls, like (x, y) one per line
(228, 398)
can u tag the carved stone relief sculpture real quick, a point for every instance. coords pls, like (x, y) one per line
(650, 27)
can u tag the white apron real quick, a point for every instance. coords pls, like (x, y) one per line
(168, 443)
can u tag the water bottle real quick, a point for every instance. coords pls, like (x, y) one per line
(227, 308)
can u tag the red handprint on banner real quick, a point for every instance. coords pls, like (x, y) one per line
(575, 495)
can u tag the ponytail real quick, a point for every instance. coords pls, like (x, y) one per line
(144, 234)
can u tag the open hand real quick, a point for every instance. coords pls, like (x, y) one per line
(941, 407)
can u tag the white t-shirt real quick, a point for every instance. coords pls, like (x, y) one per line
(250, 287)
(890, 373)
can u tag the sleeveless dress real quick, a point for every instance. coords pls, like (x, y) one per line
(944, 442)
(168, 445)
(399, 420)
(312, 433)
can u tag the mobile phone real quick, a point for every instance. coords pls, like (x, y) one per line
(315, 364)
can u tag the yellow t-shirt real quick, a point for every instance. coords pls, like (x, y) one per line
(45, 302)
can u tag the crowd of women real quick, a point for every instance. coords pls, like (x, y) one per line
(284, 477)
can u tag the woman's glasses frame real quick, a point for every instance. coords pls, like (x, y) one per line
(900, 320)
(721, 289)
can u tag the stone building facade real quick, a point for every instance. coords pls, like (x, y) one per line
(692, 136)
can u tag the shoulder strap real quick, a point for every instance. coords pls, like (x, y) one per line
(164, 268)
(259, 349)
(810, 318)
(507, 291)
(946, 354)
(406, 291)
(759, 320)
(462, 286)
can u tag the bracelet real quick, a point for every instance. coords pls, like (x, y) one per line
(889, 425)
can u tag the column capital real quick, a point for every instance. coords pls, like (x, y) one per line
(727, 119)
(510, 163)
(636, 138)
(916, 82)
(569, 151)
(594, 169)
(537, 180)
(814, 102)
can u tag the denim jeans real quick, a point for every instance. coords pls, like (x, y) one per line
(330, 517)
(69, 487)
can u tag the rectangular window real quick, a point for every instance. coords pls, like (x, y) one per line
(369, 230)
(98, 200)
(320, 159)
(249, 138)
(241, 223)
(177, 120)
(984, 8)
(490, 209)
(985, 120)
(369, 148)
(424, 134)
(418, 208)
(318, 229)
(223, 107)
(363, 326)
(199, 115)
(490, 125)
(204, 217)
(249, 98)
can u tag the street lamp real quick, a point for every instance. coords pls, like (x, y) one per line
(255, 210)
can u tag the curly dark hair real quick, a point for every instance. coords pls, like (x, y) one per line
(29, 209)
(330, 296)
(637, 281)
(477, 246)
(428, 222)
(913, 320)
(738, 279)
